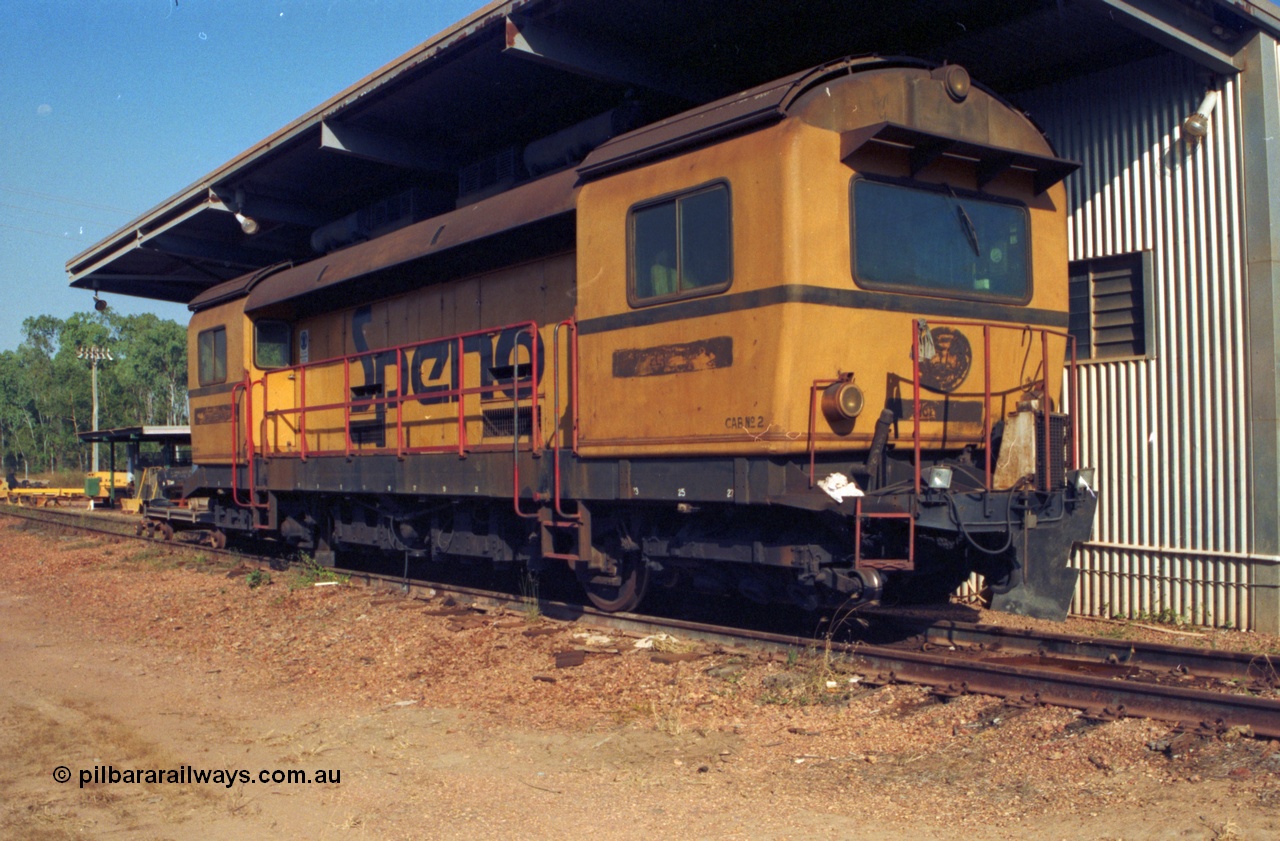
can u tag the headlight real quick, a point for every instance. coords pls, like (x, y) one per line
(842, 401)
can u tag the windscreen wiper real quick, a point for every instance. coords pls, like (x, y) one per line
(970, 231)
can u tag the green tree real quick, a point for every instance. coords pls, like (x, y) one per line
(152, 367)
(17, 432)
(46, 388)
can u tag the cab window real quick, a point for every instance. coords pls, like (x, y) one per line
(272, 342)
(681, 246)
(939, 241)
(211, 356)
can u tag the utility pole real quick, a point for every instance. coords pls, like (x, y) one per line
(94, 354)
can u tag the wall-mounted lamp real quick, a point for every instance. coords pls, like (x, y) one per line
(249, 226)
(1196, 126)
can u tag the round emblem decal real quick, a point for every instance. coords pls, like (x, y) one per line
(950, 365)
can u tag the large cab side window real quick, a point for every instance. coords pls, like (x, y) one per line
(211, 356)
(681, 246)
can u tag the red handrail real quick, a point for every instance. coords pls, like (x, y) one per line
(1072, 387)
(572, 324)
(534, 428)
(458, 393)
(814, 388)
(235, 441)
(250, 451)
(986, 396)
(1043, 382)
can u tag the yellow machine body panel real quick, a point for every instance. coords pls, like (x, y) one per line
(734, 370)
(216, 337)
(389, 371)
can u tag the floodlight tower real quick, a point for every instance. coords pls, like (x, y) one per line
(94, 354)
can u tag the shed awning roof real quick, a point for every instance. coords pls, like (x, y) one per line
(472, 97)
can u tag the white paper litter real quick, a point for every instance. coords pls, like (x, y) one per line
(647, 642)
(840, 487)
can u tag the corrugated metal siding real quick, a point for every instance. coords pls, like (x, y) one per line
(1166, 433)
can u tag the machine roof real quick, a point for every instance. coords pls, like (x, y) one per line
(451, 122)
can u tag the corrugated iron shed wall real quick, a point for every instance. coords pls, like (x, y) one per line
(1168, 433)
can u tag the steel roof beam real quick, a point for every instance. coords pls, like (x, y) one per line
(1177, 28)
(380, 148)
(226, 254)
(155, 287)
(131, 239)
(265, 208)
(608, 62)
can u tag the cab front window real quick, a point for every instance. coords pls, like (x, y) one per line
(939, 241)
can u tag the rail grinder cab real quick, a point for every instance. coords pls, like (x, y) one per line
(847, 293)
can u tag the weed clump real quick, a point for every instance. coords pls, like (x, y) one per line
(309, 573)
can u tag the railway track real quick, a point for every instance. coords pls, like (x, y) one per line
(1207, 690)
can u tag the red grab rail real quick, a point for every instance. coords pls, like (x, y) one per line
(395, 371)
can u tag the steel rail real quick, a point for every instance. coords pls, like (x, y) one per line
(1099, 698)
(948, 675)
(1217, 664)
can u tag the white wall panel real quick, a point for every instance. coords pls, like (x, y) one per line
(1168, 432)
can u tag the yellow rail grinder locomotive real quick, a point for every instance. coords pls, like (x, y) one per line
(807, 343)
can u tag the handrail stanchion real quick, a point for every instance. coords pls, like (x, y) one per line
(1073, 387)
(1047, 412)
(302, 411)
(555, 407)
(535, 439)
(814, 388)
(515, 430)
(915, 399)
(235, 442)
(461, 392)
(400, 404)
(573, 366)
(986, 397)
(346, 406)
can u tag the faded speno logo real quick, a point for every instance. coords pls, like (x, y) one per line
(950, 365)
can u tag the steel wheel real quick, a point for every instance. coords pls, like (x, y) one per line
(627, 595)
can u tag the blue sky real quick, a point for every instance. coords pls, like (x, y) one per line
(109, 107)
